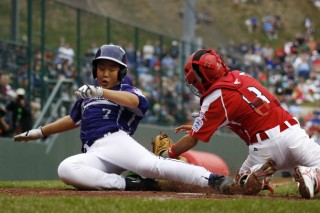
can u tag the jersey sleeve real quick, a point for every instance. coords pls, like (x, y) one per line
(143, 102)
(212, 116)
(76, 112)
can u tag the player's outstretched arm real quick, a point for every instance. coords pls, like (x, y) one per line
(61, 125)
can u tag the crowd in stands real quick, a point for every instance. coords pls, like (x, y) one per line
(269, 25)
(292, 72)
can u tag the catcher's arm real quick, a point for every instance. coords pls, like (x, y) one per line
(185, 143)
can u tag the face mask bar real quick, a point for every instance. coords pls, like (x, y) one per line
(193, 89)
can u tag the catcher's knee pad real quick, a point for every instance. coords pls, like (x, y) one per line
(257, 178)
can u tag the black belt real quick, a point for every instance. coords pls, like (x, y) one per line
(112, 131)
(89, 143)
(283, 126)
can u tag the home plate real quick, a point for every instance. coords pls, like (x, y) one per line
(192, 194)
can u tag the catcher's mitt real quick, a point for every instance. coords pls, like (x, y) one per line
(258, 178)
(161, 143)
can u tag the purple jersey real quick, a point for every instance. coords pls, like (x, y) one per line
(99, 116)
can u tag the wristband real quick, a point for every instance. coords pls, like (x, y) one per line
(43, 135)
(171, 152)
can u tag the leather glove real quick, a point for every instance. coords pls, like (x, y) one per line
(257, 178)
(89, 91)
(29, 135)
(161, 144)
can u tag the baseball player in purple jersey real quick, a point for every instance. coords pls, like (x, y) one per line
(108, 115)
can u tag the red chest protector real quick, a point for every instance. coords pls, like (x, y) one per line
(240, 81)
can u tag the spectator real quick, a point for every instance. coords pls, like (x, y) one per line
(174, 50)
(21, 113)
(289, 72)
(267, 51)
(252, 24)
(311, 43)
(278, 24)
(65, 55)
(243, 47)
(316, 66)
(131, 53)
(313, 126)
(148, 52)
(288, 47)
(302, 65)
(168, 65)
(308, 25)
(268, 28)
(6, 92)
(5, 130)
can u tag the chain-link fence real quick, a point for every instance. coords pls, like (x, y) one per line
(35, 50)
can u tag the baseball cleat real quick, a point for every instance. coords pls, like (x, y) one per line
(307, 181)
(139, 183)
(221, 183)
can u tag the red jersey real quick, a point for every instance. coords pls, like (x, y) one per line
(232, 101)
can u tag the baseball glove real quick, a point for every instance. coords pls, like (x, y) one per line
(257, 179)
(161, 143)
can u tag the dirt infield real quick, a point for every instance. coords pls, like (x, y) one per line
(169, 190)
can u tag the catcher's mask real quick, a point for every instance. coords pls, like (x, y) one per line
(114, 53)
(202, 69)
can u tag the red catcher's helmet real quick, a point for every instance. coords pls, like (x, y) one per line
(192, 82)
(202, 69)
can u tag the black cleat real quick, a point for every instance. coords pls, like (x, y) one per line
(221, 183)
(139, 183)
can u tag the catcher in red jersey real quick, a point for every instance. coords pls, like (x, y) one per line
(236, 100)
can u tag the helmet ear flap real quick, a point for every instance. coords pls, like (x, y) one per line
(195, 66)
(94, 64)
(122, 73)
(94, 71)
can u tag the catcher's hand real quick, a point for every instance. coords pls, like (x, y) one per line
(89, 91)
(29, 135)
(161, 143)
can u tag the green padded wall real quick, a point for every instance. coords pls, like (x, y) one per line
(39, 160)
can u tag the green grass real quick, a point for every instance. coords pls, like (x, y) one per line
(33, 184)
(237, 203)
(84, 204)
